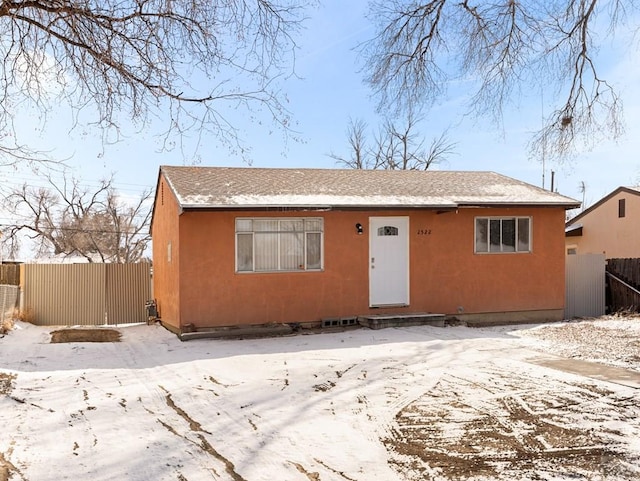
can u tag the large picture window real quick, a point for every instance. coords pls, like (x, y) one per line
(273, 245)
(503, 234)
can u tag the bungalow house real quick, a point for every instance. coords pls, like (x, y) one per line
(611, 226)
(249, 246)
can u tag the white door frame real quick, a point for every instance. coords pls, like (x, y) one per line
(389, 262)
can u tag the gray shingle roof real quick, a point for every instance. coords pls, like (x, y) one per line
(225, 187)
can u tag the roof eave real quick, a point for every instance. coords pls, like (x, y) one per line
(314, 206)
(443, 206)
(565, 205)
(574, 230)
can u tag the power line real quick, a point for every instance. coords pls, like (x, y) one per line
(34, 180)
(75, 229)
(31, 182)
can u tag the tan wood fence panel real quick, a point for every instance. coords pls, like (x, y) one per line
(128, 287)
(10, 274)
(585, 285)
(86, 294)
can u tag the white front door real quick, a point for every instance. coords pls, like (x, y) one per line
(388, 261)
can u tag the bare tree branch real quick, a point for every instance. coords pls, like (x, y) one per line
(504, 46)
(116, 59)
(395, 147)
(70, 219)
(356, 138)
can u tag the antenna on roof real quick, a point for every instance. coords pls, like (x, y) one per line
(582, 188)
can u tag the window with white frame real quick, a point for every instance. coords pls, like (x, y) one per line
(281, 244)
(503, 234)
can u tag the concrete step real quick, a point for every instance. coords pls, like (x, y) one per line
(380, 321)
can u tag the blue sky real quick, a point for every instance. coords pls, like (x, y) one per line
(327, 93)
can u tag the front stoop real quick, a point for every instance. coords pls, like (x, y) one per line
(380, 321)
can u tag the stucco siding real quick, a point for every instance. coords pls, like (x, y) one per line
(604, 232)
(446, 276)
(166, 258)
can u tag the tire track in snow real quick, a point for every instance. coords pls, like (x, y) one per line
(329, 384)
(79, 420)
(196, 428)
(8, 469)
(312, 476)
(333, 470)
(499, 422)
(399, 400)
(315, 476)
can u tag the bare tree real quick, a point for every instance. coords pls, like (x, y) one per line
(110, 59)
(69, 219)
(395, 147)
(358, 150)
(421, 46)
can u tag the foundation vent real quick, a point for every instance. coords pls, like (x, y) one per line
(340, 322)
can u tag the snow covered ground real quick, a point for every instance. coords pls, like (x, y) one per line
(395, 404)
(612, 340)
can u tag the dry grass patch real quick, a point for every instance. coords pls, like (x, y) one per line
(6, 325)
(6, 383)
(24, 315)
(85, 335)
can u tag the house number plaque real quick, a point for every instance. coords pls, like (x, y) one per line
(424, 231)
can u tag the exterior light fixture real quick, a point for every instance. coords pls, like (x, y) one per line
(359, 229)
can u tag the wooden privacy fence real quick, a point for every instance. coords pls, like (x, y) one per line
(10, 274)
(86, 294)
(623, 285)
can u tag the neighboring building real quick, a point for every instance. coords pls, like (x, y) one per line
(245, 246)
(611, 226)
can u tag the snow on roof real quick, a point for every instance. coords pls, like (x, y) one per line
(222, 187)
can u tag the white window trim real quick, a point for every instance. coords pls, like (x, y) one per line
(304, 232)
(503, 217)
